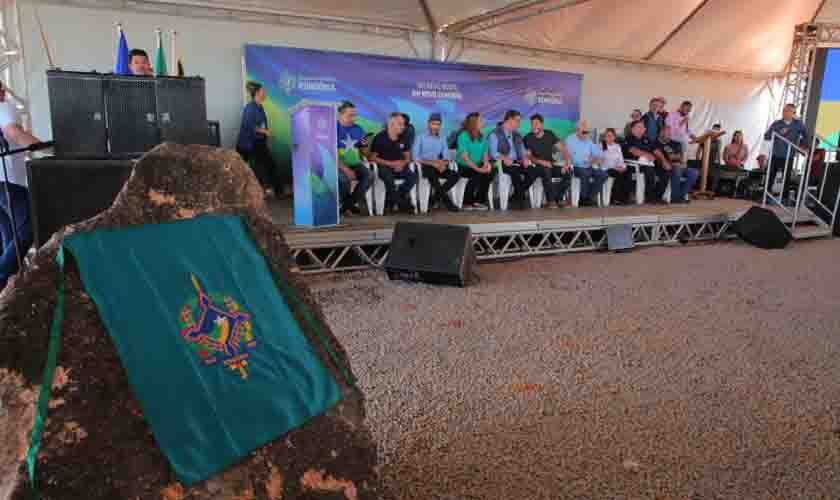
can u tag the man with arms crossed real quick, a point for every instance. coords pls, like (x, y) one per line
(541, 145)
(431, 152)
(393, 156)
(505, 144)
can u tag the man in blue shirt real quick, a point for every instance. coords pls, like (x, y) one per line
(670, 165)
(352, 146)
(506, 145)
(793, 130)
(654, 119)
(585, 155)
(431, 153)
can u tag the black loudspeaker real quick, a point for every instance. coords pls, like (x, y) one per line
(434, 253)
(132, 114)
(829, 196)
(77, 110)
(63, 192)
(762, 228)
(182, 112)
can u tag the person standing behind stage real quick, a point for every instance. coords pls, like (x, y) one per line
(138, 63)
(635, 116)
(653, 119)
(17, 205)
(474, 163)
(505, 144)
(792, 129)
(615, 167)
(352, 145)
(252, 143)
(541, 145)
(638, 147)
(586, 155)
(431, 153)
(678, 121)
(393, 156)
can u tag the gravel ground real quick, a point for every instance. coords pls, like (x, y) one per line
(707, 372)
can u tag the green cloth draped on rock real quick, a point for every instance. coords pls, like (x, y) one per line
(211, 347)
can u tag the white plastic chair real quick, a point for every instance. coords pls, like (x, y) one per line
(379, 191)
(602, 198)
(504, 188)
(639, 177)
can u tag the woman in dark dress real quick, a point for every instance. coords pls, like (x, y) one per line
(252, 143)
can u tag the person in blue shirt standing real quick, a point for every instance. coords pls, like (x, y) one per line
(431, 153)
(586, 154)
(792, 129)
(505, 144)
(654, 119)
(252, 143)
(352, 147)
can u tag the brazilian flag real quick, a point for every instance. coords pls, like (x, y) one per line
(210, 344)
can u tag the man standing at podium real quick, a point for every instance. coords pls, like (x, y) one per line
(352, 146)
(14, 195)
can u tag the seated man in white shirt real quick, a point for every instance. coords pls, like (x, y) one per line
(16, 205)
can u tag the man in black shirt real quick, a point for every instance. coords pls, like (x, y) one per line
(669, 165)
(393, 156)
(541, 145)
(638, 147)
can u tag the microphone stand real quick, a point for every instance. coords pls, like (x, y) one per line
(4, 152)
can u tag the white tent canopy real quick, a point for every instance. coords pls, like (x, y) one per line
(724, 56)
(743, 36)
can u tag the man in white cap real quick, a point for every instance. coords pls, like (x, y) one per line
(586, 154)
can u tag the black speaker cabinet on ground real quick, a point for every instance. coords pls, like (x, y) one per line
(66, 191)
(762, 228)
(434, 253)
(77, 109)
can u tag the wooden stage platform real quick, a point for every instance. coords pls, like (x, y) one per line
(362, 241)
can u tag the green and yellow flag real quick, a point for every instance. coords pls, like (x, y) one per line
(160, 56)
(210, 343)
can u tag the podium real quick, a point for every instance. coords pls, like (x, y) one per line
(314, 164)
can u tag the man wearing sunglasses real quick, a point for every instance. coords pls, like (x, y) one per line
(585, 155)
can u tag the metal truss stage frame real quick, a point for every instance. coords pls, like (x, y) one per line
(501, 235)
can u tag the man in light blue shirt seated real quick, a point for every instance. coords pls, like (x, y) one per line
(432, 154)
(586, 155)
(506, 145)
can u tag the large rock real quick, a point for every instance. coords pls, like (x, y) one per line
(96, 443)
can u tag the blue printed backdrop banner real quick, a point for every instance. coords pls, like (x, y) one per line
(379, 85)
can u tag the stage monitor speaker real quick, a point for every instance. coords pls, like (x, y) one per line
(762, 228)
(132, 114)
(77, 112)
(182, 111)
(63, 192)
(619, 238)
(434, 253)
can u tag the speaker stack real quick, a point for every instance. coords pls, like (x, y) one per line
(762, 228)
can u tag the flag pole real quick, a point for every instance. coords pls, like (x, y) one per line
(173, 54)
(43, 37)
